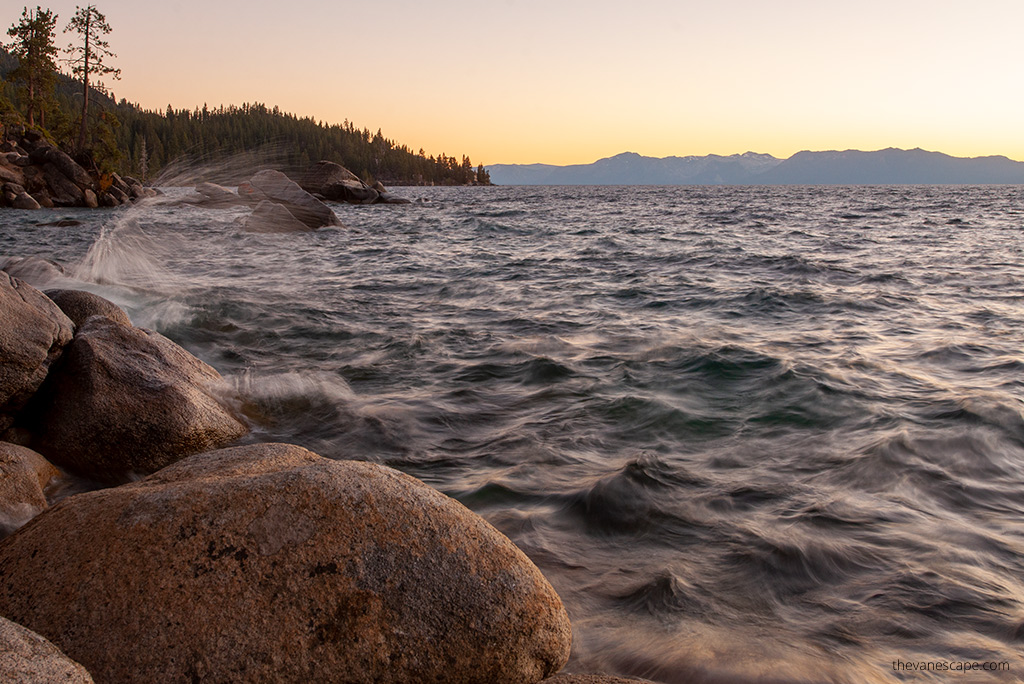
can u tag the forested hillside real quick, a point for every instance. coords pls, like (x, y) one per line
(136, 142)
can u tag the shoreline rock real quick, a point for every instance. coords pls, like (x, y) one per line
(24, 475)
(337, 184)
(36, 174)
(26, 658)
(33, 335)
(125, 399)
(268, 562)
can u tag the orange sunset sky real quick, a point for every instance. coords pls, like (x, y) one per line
(564, 82)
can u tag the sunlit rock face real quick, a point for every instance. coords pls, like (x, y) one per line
(270, 563)
(26, 657)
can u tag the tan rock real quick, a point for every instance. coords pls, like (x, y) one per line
(23, 476)
(27, 658)
(281, 190)
(33, 333)
(79, 306)
(270, 563)
(129, 400)
(268, 217)
(593, 679)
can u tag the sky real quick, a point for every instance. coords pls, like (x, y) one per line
(568, 82)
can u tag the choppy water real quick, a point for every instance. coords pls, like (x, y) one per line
(749, 434)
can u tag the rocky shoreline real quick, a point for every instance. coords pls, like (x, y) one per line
(36, 174)
(227, 561)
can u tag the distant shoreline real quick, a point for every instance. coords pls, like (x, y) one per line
(850, 167)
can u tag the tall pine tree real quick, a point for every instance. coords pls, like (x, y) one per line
(33, 46)
(86, 58)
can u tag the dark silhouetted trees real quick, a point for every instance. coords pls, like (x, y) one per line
(36, 53)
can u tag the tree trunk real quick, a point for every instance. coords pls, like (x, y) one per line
(85, 86)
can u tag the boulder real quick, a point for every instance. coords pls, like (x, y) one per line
(391, 198)
(136, 190)
(33, 333)
(118, 194)
(63, 191)
(128, 400)
(91, 200)
(11, 174)
(270, 563)
(269, 217)
(25, 201)
(323, 174)
(278, 188)
(593, 679)
(353, 192)
(79, 306)
(249, 194)
(48, 155)
(33, 270)
(218, 195)
(23, 476)
(27, 658)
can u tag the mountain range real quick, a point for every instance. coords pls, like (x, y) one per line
(890, 166)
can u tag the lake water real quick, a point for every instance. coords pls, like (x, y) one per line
(749, 434)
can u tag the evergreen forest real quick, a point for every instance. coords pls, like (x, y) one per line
(122, 137)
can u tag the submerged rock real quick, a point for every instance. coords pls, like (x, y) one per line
(33, 334)
(80, 306)
(126, 400)
(270, 563)
(27, 658)
(23, 476)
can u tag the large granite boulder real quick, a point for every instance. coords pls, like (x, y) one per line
(23, 475)
(33, 270)
(217, 195)
(27, 658)
(127, 400)
(33, 334)
(269, 217)
(80, 306)
(353, 192)
(63, 192)
(594, 679)
(62, 163)
(270, 563)
(324, 174)
(337, 184)
(279, 189)
(23, 200)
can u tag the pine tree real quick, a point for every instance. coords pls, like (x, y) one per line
(87, 58)
(34, 48)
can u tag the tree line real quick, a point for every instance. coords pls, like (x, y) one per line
(77, 112)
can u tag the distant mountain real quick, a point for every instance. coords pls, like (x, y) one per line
(630, 168)
(851, 167)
